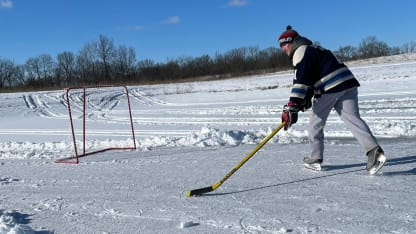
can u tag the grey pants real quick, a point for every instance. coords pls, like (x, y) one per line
(346, 105)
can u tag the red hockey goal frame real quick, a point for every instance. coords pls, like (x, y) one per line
(75, 159)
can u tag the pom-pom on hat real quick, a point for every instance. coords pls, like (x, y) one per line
(288, 36)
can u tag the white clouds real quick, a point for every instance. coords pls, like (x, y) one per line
(172, 20)
(6, 4)
(237, 3)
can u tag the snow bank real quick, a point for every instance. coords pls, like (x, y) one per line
(206, 137)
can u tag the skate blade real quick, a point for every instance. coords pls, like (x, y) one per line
(380, 163)
(313, 166)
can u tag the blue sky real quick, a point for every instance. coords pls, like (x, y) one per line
(169, 29)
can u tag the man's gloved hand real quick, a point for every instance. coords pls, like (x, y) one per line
(290, 114)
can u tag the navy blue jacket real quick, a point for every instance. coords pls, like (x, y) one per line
(318, 71)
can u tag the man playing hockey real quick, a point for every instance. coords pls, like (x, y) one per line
(331, 85)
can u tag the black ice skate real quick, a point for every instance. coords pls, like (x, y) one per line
(376, 160)
(312, 163)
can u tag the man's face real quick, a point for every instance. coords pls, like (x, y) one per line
(287, 48)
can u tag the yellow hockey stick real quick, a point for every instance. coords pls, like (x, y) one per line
(197, 192)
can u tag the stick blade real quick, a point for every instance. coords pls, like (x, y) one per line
(197, 192)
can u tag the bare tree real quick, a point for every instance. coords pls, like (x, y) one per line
(66, 64)
(235, 59)
(40, 71)
(201, 66)
(146, 69)
(106, 54)
(125, 62)
(47, 65)
(41, 67)
(346, 53)
(10, 74)
(32, 68)
(409, 47)
(6, 72)
(371, 47)
(87, 64)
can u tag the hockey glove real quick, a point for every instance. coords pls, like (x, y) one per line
(289, 115)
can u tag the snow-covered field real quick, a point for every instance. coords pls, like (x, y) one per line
(191, 135)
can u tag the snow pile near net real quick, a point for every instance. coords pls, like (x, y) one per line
(25, 150)
(208, 137)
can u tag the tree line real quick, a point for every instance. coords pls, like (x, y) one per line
(102, 62)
